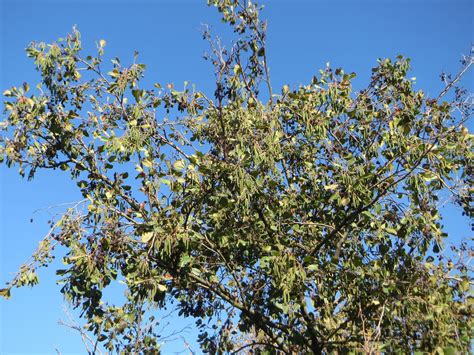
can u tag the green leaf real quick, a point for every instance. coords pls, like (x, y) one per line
(428, 176)
(138, 94)
(450, 351)
(185, 260)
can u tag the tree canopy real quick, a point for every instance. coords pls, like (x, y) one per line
(288, 220)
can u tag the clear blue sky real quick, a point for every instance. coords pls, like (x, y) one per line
(302, 37)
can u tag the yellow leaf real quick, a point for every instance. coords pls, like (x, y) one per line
(146, 237)
(5, 292)
(178, 165)
(147, 163)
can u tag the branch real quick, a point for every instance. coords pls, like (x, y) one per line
(458, 76)
(86, 339)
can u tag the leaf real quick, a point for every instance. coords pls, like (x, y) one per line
(114, 73)
(450, 351)
(428, 176)
(138, 94)
(464, 285)
(345, 201)
(330, 187)
(282, 306)
(166, 182)
(147, 236)
(185, 260)
(148, 163)
(237, 69)
(5, 292)
(195, 271)
(178, 165)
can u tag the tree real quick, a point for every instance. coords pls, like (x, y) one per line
(301, 221)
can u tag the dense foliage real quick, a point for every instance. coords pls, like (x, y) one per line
(306, 220)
